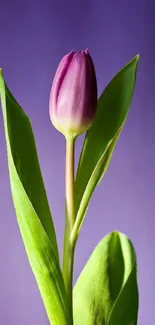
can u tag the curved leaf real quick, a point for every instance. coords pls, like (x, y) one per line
(101, 138)
(32, 208)
(106, 291)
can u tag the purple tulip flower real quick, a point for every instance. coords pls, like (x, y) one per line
(73, 97)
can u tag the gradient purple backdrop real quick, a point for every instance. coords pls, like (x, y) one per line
(34, 35)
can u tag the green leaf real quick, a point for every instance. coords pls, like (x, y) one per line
(101, 138)
(106, 292)
(32, 209)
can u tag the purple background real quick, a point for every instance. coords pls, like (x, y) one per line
(34, 35)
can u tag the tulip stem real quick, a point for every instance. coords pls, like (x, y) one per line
(68, 253)
(70, 181)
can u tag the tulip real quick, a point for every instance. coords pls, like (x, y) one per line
(73, 97)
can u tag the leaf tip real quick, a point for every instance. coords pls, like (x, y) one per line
(116, 232)
(137, 57)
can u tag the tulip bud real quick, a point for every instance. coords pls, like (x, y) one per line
(73, 97)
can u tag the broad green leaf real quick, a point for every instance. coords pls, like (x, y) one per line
(101, 138)
(32, 209)
(106, 292)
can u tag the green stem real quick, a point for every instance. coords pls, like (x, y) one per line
(68, 254)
